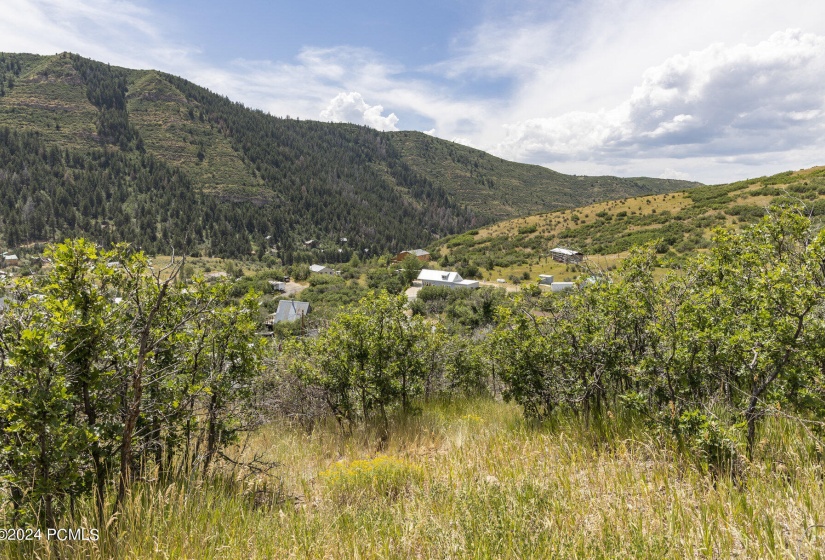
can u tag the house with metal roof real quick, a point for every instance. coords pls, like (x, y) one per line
(288, 310)
(566, 256)
(429, 277)
(320, 269)
(420, 254)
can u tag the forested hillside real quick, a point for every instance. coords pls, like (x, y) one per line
(502, 189)
(118, 154)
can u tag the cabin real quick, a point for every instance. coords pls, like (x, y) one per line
(288, 310)
(320, 269)
(429, 277)
(277, 285)
(566, 256)
(420, 254)
(545, 279)
(10, 260)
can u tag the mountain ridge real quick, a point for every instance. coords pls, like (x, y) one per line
(382, 191)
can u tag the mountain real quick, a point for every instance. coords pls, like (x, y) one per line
(501, 189)
(143, 156)
(680, 222)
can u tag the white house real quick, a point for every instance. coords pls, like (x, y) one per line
(288, 310)
(320, 269)
(429, 277)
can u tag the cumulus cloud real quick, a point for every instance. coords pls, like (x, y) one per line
(351, 107)
(721, 100)
(674, 174)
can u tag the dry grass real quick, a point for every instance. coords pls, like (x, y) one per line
(473, 480)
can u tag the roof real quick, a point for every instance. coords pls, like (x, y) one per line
(563, 251)
(10, 257)
(416, 252)
(288, 310)
(559, 286)
(428, 274)
(319, 268)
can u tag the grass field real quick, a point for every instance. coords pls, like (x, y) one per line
(473, 480)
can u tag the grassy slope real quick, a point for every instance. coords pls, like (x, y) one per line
(683, 220)
(49, 96)
(473, 480)
(500, 188)
(161, 114)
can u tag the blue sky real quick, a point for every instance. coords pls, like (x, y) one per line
(696, 89)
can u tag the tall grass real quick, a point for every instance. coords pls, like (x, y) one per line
(471, 479)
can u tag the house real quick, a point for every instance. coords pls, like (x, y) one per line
(429, 277)
(320, 269)
(10, 260)
(561, 286)
(277, 285)
(545, 279)
(288, 310)
(420, 254)
(566, 256)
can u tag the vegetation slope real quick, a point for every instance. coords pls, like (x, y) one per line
(680, 223)
(252, 181)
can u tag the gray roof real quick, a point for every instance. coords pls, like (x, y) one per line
(417, 252)
(563, 251)
(289, 310)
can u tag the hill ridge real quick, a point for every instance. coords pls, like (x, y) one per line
(290, 179)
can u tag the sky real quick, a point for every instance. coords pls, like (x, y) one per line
(707, 90)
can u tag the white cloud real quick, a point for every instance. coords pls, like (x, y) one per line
(722, 100)
(120, 32)
(351, 107)
(670, 173)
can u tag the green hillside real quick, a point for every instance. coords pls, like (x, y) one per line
(502, 189)
(269, 183)
(680, 222)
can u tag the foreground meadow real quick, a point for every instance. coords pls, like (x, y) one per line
(472, 479)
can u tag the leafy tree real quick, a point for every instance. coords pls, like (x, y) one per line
(369, 360)
(106, 369)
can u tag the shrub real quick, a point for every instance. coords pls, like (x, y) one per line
(380, 477)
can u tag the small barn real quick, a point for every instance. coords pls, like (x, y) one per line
(566, 256)
(420, 254)
(288, 310)
(429, 277)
